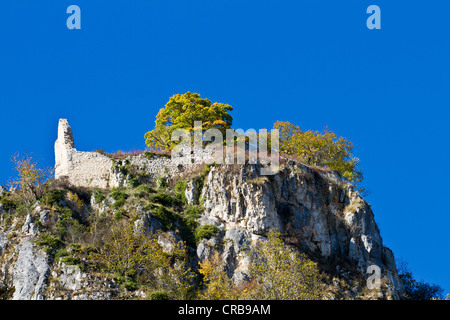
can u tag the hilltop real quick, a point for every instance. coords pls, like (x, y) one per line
(185, 226)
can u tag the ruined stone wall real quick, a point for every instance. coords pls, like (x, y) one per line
(92, 169)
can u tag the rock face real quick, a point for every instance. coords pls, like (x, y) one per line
(68, 282)
(30, 272)
(315, 211)
(23, 266)
(191, 193)
(3, 242)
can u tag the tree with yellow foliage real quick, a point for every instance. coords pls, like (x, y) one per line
(181, 112)
(276, 272)
(127, 251)
(217, 284)
(323, 149)
(31, 178)
(281, 273)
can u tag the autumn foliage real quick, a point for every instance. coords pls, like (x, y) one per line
(320, 149)
(276, 272)
(181, 112)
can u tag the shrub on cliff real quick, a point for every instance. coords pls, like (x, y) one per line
(30, 181)
(280, 273)
(205, 232)
(126, 252)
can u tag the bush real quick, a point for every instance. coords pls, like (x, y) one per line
(180, 188)
(49, 242)
(134, 182)
(205, 232)
(159, 295)
(145, 189)
(119, 203)
(53, 197)
(120, 197)
(191, 215)
(31, 180)
(126, 252)
(69, 226)
(74, 202)
(216, 283)
(161, 182)
(165, 199)
(165, 216)
(127, 282)
(149, 154)
(200, 180)
(118, 194)
(98, 197)
(7, 204)
(71, 261)
(193, 211)
(60, 254)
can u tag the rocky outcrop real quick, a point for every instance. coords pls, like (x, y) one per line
(3, 242)
(191, 192)
(68, 282)
(315, 210)
(30, 272)
(23, 266)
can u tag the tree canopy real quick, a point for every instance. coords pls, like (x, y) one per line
(323, 149)
(181, 112)
(320, 149)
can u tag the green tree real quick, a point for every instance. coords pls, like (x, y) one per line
(180, 113)
(280, 273)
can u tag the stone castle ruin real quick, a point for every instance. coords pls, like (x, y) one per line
(93, 169)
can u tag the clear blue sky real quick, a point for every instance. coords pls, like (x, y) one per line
(310, 62)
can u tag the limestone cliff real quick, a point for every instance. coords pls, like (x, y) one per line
(316, 211)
